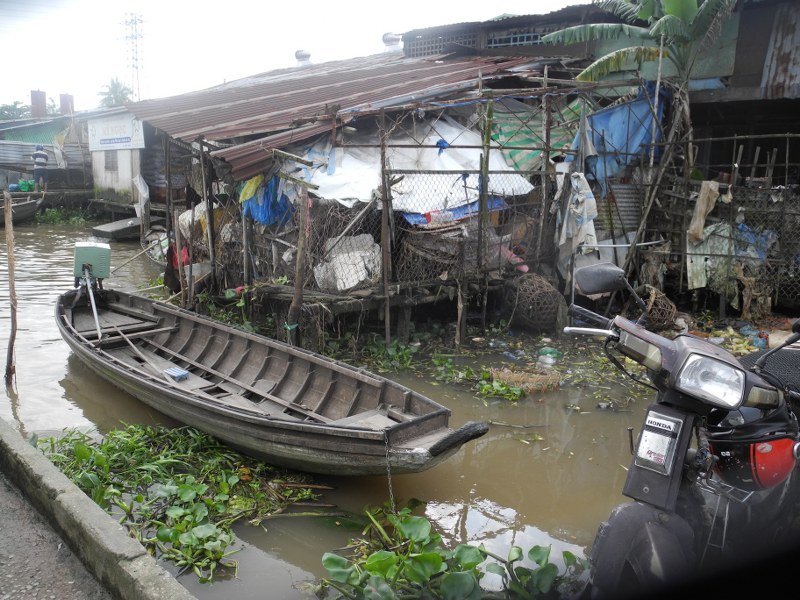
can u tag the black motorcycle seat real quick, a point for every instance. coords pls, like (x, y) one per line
(784, 364)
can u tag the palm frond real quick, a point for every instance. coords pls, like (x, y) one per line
(707, 23)
(672, 28)
(618, 61)
(685, 10)
(627, 10)
(597, 31)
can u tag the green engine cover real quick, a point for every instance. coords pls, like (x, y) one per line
(96, 255)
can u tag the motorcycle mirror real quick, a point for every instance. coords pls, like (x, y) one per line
(605, 277)
(599, 278)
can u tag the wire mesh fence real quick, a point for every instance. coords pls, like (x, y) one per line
(467, 236)
(343, 247)
(741, 243)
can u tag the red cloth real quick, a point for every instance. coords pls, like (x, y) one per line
(174, 256)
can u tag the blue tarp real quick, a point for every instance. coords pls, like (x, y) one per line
(619, 136)
(453, 214)
(267, 206)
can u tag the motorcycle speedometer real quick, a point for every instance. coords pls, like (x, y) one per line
(640, 350)
(713, 381)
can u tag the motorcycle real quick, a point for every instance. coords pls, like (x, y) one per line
(713, 481)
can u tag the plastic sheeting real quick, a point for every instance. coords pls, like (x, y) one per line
(266, 203)
(619, 136)
(577, 227)
(351, 174)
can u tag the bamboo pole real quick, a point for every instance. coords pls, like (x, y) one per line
(12, 290)
(137, 255)
(652, 192)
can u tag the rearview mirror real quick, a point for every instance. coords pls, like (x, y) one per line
(600, 278)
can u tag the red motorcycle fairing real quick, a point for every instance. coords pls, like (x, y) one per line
(756, 466)
(755, 448)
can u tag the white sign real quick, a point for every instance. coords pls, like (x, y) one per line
(120, 132)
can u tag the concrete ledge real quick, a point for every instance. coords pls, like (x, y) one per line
(118, 561)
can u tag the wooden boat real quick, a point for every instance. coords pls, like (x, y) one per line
(22, 209)
(120, 230)
(280, 403)
(156, 243)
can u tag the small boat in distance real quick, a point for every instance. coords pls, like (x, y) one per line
(285, 405)
(22, 209)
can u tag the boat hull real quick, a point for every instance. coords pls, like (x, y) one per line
(21, 210)
(285, 405)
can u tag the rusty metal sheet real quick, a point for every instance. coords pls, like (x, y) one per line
(781, 75)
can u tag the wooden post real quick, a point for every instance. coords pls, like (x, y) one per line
(12, 291)
(209, 220)
(546, 123)
(179, 258)
(191, 257)
(168, 160)
(293, 315)
(385, 241)
(755, 164)
(404, 324)
(246, 234)
(482, 252)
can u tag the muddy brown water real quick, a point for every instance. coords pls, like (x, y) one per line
(548, 472)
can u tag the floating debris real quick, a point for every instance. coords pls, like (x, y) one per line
(528, 380)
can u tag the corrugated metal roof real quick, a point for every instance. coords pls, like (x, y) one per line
(16, 156)
(35, 131)
(305, 101)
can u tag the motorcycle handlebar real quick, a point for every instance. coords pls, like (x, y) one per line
(588, 315)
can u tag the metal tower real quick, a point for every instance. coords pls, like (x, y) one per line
(133, 29)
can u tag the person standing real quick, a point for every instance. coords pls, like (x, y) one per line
(40, 159)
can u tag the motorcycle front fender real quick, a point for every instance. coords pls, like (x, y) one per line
(641, 549)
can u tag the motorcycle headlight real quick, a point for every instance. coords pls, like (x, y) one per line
(714, 381)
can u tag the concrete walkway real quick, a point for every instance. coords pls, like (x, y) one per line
(60, 544)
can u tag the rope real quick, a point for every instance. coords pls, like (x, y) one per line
(389, 472)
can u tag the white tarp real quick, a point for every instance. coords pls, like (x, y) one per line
(351, 260)
(352, 174)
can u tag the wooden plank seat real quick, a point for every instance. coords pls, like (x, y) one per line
(369, 419)
(294, 407)
(89, 330)
(118, 335)
(156, 365)
(257, 402)
(266, 407)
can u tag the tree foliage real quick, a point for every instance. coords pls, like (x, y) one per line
(116, 93)
(18, 110)
(681, 27)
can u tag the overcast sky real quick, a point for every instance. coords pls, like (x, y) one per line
(77, 46)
